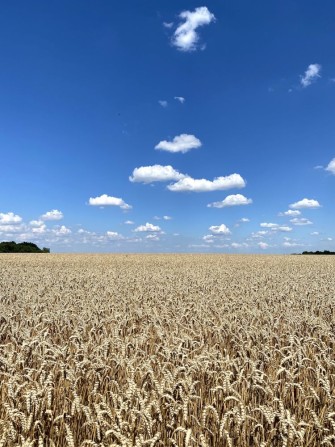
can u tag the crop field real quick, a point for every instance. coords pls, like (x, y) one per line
(167, 350)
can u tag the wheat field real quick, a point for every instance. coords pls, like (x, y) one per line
(167, 350)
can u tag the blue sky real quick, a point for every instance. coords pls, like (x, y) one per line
(206, 126)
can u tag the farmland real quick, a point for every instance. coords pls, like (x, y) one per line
(167, 350)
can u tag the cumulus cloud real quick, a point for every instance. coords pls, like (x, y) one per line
(105, 200)
(203, 185)
(155, 173)
(290, 213)
(291, 244)
(113, 235)
(301, 221)
(52, 215)
(9, 228)
(62, 231)
(331, 166)
(263, 245)
(232, 200)
(152, 237)
(185, 37)
(311, 75)
(129, 222)
(181, 99)
(239, 245)
(305, 203)
(9, 218)
(209, 238)
(269, 225)
(36, 223)
(148, 227)
(167, 217)
(163, 103)
(39, 229)
(181, 143)
(219, 229)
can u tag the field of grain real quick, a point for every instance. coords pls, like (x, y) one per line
(167, 350)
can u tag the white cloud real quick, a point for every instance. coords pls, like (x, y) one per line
(181, 143)
(209, 238)
(105, 200)
(129, 222)
(290, 213)
(284, 229)
(331, 166)
(263, 245)
(269, 225)
(181, 99)
(168, 24)
(113, 235)
(9, 218)
(203, 185)
(39, 229)
(36, 223)
(155, 173)
(291, 244)
(232, 200)
(311, 74)
(167, 217)
(239, 245)
(163, 103)
(62, 231)
(152, 237)
(185, 37)
(52, 215)
(148, 227)
(315, 233)
(7, 228)
(244, 219)
(219, 229)
(305, 203)
(301, 221)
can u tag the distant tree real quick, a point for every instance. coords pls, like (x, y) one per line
(22, 247)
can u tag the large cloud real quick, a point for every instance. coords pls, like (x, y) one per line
(185, 37)
(203, 185)
(155, 173)
(181, 143)
(105, 200)
(9, 218)
(305, 203)
(232, 200)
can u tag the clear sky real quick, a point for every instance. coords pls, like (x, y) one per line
(165, 125)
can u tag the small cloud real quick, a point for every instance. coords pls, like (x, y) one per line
(244, 219)
(263, 245)
(209, 238)
(62, 231)
(232, 200)
(113, 235)
(219, 229)
(181, 143)
(181, 99)
(155, 173)
(148, 227)
(269, 225)
(291, 244)
(163, 103)
(152, 237)
(331, 166)
(290, 213)
(52, 215)
(185, 37)
(129, 222)
(36, 223)
(305, 203)
(311, 75)
(167, 217)
(168, 24)
(39, 229)
(315, 233)
(203, 185)
(9, 218)
(301, 221)
(105, 200)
